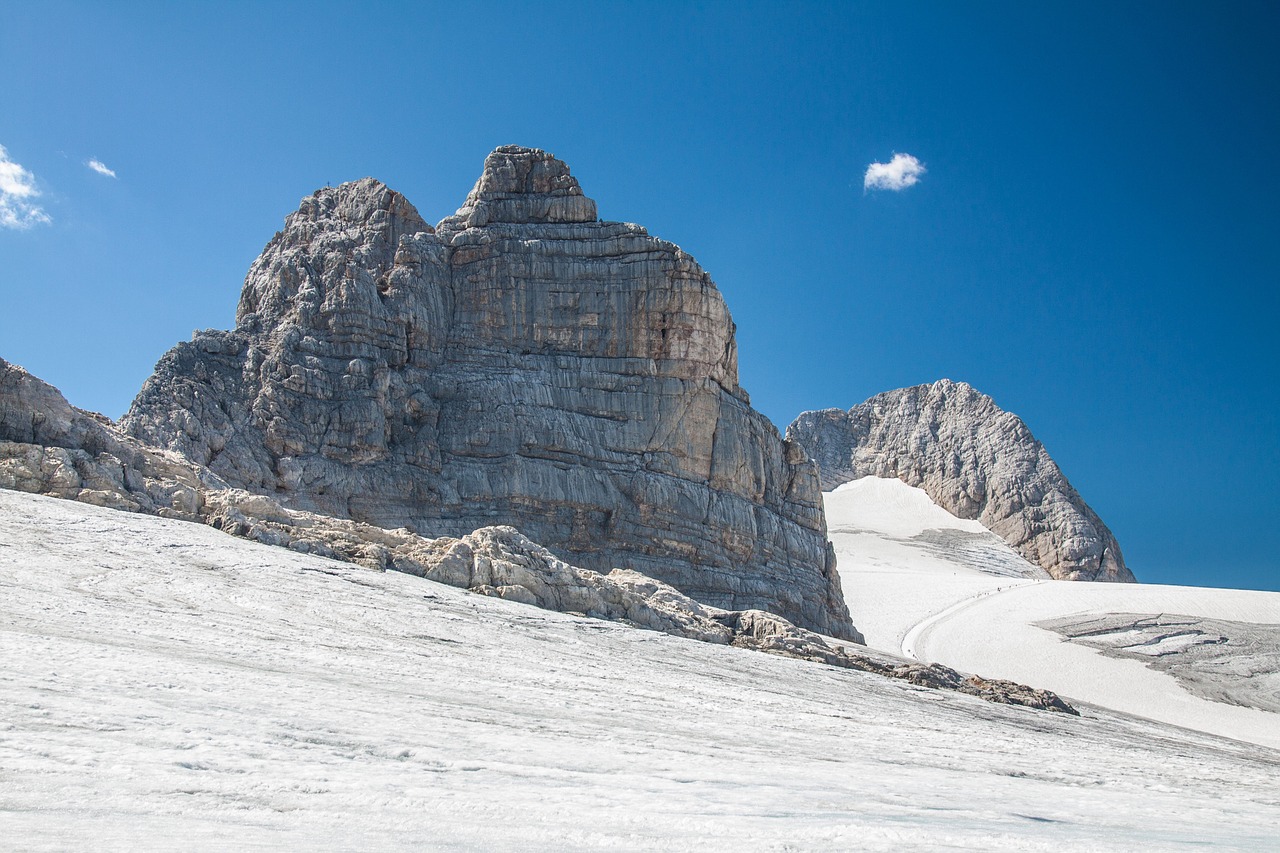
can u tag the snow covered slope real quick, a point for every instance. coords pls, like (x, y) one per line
(165, 686)
(941, 589)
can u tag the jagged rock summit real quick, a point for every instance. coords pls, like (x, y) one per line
(521, 363)
(976, 461)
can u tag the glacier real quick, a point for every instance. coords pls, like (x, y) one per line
(164, 685)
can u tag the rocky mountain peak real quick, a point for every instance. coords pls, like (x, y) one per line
(522, 185)
(950, 386)
(975, 460)
(366, 202)
(522, 364)
(337, 247)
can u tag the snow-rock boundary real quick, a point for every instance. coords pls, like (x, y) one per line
(49, 447)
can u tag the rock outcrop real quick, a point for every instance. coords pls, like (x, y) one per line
(523, 364)
(49, 447)
(501, 562)
(1222, 660)
(87, 460)
(975, 460)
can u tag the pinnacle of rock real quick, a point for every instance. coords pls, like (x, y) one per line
(976, 461)
(521, 364)
(522, 186)
(338, 234)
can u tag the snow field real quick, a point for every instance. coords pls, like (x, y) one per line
(938, 607)
(163, 685)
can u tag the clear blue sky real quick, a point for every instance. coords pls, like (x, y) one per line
(1093, 242)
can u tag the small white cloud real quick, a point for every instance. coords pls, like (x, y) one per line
(899, 173)
(17, 189)
(100, 167)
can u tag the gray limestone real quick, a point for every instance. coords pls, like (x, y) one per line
(975, 460)
(523, 364)
(1237, 663)
(501, 562)
(49, 447)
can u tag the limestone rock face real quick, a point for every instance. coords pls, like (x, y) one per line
(976, 461)
(49, 447)
(520, 364)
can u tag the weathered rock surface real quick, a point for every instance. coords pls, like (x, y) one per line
(1237, 663)
(523, 364)
(49, 447)
(501, 562)
(975, 460)
(89, 461)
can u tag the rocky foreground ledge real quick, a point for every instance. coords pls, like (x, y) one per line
(51, 448)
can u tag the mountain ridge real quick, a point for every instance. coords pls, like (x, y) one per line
(974, 459)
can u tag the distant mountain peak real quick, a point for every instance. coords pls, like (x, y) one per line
(975, 460)
(522, 186)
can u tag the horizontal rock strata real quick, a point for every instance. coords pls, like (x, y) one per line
(523, 364)
(89, 461)
(49, 447)
(975, 460)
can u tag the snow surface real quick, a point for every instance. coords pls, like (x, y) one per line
(165, 686)
(911, 598)
(894, 576)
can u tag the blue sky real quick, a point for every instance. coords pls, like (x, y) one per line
(1092, 242)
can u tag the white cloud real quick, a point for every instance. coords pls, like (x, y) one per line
(17, 190)
(100, 167)
(898, 174)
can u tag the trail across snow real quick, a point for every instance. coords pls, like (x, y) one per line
(165, 686)
(980, 614)
(911, 639)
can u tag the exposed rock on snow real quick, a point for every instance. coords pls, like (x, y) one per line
(49, 447)
(1219, 659)
(501, 562)
(523, 363)
(975, 460)
(497, 561)
(992, 689)
(768, 633)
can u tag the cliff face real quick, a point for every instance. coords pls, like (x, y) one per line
(522, 363)
(975, 460)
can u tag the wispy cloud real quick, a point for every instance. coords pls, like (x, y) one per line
(100, 167)
(17, 193)
(899, 173)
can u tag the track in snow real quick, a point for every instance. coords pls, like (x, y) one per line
(912, 641)
(911, 597)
